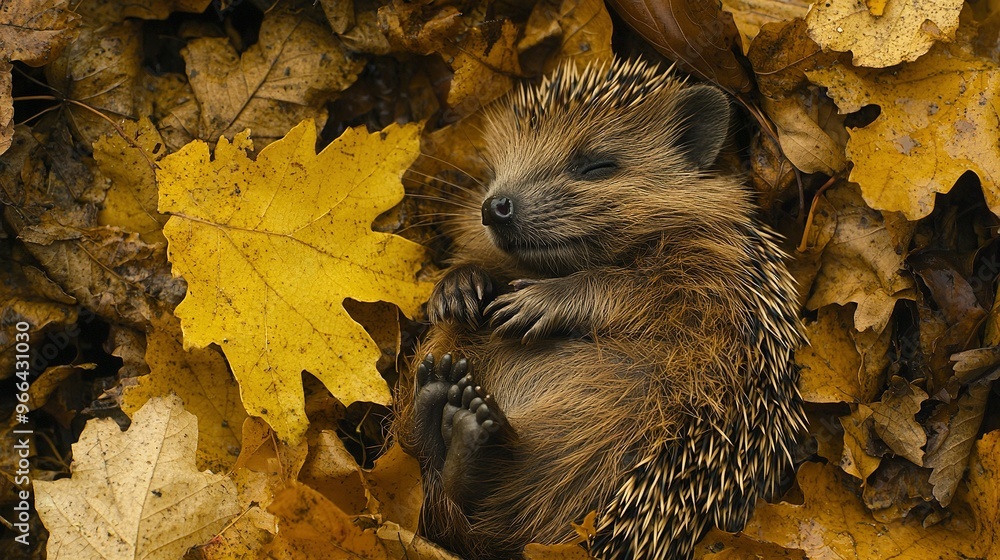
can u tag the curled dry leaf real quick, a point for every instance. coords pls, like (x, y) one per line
(899, 31)
(293, 230)
(811, 134)
(859, 430)
(135, 493)
(864, 261)
(699, 35)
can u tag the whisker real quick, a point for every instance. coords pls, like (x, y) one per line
(455, 167)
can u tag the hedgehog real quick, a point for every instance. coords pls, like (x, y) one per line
(614, 332)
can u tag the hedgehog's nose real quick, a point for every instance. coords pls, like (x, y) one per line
(498, 210)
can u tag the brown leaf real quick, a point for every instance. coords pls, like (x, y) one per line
(35, 31)
(485, 63)
(956, 426)
(895, 423)
(895, 488)
(859, 430)
(984, 492)
(864, 262)
(99, 69)
(719, 545)
(288, 76)
(833, 523)
(751, 15)
(840, 364)
(697, 34)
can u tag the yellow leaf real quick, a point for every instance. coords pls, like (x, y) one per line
(833, 523)
(271, 248)
(984, 491)
(202, 380)
(135, 494)
(937, 121)
(131, 166)
(886, 32)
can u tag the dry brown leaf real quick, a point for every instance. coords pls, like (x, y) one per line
(858, 433)
(101, 68)
(339, 14)
(896, 488)
(984, 492)
(252, 529)
(263, 452)
(811, 134)
(331, 470)
(895, 423)
(310, 526)
(833, 523)
(864, 261)
(937, 121)
(751, 15)
(35, 31)
(170, 103)
(107, 270)
(404, 545)
(409, 28)
(956, 426)
(135, 493)
(536, 551)
(699, 35)
(899, 31)
(295, 67)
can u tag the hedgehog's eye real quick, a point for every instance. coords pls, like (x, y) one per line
(593, 167)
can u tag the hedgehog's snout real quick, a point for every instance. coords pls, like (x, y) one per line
(498, 210)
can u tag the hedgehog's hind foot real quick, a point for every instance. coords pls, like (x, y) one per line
(472, 424)
(430, 400)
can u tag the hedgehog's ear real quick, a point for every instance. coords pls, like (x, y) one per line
(704, 110)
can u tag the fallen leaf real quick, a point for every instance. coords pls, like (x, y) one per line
(895, 423)
(485, 64)
(271, 248)
(253, 528)
(295, 67)
(131, 165)
(535, 551)
(858, 432)
(901, 32)
(100, 70)
(6, 106)
(35, 31)
(699, 35)
(394, 487)
(957, 425)
(135, 493)
(310, 526)
(831, 365)
(833, 523)
(937, 121)
(719, 545)
(751, 15)
(896, 489)
(984, 492)
(864, 262)
(202, 381)
(401, 543)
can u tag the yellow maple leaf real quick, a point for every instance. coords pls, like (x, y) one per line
(271, 248)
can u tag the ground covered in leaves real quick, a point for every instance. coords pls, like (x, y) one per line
(220, 221)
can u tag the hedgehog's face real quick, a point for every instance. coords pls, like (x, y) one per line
(580, 187)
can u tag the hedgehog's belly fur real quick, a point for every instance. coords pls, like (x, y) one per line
(585, 413)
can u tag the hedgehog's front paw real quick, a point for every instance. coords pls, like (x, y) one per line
(460, 296)
(535, 311)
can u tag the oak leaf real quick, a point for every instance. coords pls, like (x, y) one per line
(135, 494)
(937, 121)
(898, 31)
(271, 248)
